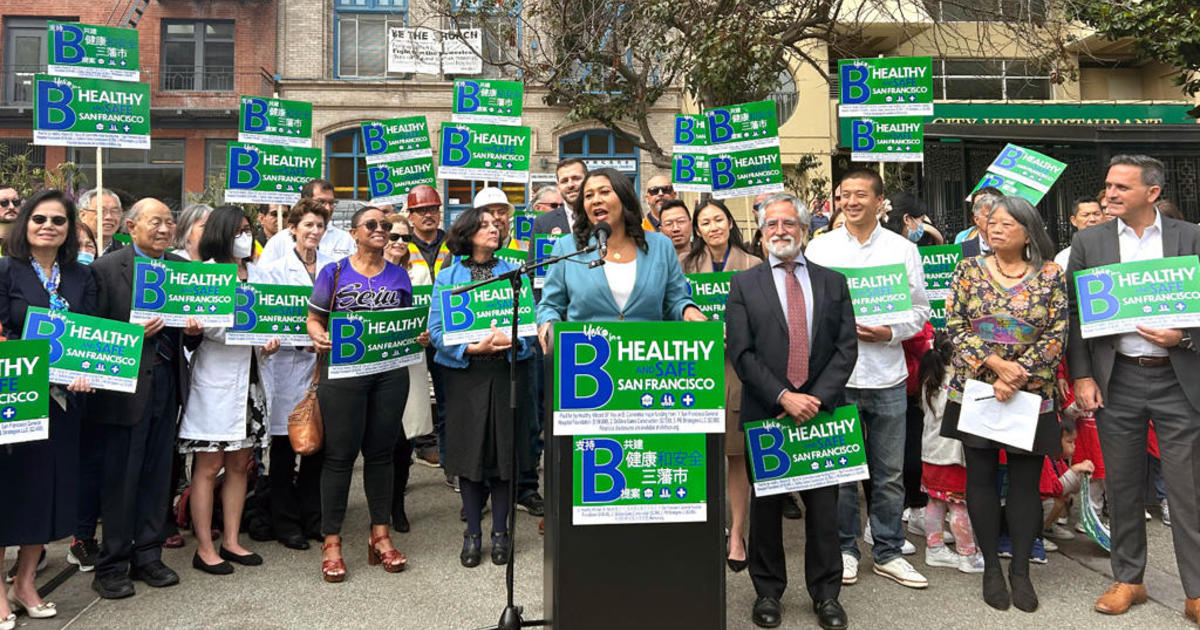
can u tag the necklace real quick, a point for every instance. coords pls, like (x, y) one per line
(1017, 276)
(616, 255)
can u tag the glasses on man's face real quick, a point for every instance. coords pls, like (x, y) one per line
(677, 223)
(373, 225)
(112, 211)
(552, 206)
(425, 210)
(40, 219)
(10, 203)
(786, 224)
(660, 190)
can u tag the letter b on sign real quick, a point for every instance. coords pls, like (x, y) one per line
(373, 142)
(148, 294)
(456, 311)
(66, 39)
(772, 451)
(860, 135)
(853, 81)
(454, 146)
(719, 129)
(722, 173)
(243, 310)
(1008, 157)
(466, 97)
(43, 326)
(685, 169)
(54, 102)
(574, 371)
(1096, 301)
(683, 131)
(345, 335)
(605, 475)
(243, 168)
(254, 115)
(377, 178)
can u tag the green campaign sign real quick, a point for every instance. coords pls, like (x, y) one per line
(488, 102)
(275, 121)
(885, 86)
(422, 296)
(24, 391)
(270, 311)
(92, 52)
(880, 295)
(542, 246)
(107, 352)
(897, 139)
(390, 182)
(396, 139)
(639, 377)
(741, 127)
(175, 291)
(487, 152)
(522, 225)
(268, 173)
(469, 317)
(626, 479)
(937, 316)
(689, 154)
(76, 112)
(745, 173)
(1022, 172)
(939, 261)
(824, 451)
(1159, 293)
(710, 292)
(370, 342)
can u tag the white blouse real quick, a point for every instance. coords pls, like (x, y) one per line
(621, 278)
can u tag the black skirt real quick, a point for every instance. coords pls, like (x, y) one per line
(479, 426)
(1047, 437)
(39, 482)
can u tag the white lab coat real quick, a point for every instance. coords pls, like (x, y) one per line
(418, 416)
(289, 371)
(216, 407)
(336, 244)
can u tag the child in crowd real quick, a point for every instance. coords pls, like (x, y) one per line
(943, 470)
(1060, 480)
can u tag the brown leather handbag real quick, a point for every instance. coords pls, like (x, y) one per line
(306, 430)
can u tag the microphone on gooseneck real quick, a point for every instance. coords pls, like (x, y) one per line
(602, 231)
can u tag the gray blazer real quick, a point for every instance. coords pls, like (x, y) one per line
(1093, 358)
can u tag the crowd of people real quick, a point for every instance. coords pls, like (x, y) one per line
(212, 417)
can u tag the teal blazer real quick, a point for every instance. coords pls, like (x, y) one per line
(575, 293)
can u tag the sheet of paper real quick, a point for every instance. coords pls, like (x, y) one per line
(1013, 422)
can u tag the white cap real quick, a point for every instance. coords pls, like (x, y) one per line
(489, 196)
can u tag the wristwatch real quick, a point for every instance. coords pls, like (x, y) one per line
(1186, 342)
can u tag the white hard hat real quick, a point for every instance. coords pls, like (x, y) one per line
(489, 196)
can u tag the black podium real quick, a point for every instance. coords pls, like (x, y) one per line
(660, 575)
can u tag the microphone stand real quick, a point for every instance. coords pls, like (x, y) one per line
(510, 618)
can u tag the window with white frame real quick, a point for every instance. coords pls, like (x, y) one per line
(991, 79)
(361, 35)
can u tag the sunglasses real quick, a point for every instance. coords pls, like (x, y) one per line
(373, 225)
(552, 206)
(661, 190)
(39, 219)
(5, 203)
(407, 238)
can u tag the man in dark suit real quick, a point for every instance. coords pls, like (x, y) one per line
(793, 344)
(138, 429)
(973, 243)
(1130, 378)
(570, 174)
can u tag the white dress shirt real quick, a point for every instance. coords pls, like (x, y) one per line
(336, 244)
(1061, 259)
(1148, 246)
(880, 363)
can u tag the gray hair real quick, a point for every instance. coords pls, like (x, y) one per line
(86, 198)
(1041, 248)
(1153, 171)
(191, 215)
(984, 204)
(541, 193)
(800, 207)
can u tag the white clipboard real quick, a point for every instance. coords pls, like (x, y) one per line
(1013, 422)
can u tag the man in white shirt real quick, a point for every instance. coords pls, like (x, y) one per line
(877, 384)
(337, 243)
(1086, 214)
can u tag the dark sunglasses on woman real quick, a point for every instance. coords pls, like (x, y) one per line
(58, 220)
(373, 225)
(407, 238)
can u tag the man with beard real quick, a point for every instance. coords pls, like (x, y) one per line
(10, 204)
(570, 174)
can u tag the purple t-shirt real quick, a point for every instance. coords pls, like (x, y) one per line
(388, 289)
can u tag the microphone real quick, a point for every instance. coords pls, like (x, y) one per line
(602, 231)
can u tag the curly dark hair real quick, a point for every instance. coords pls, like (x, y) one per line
(16, 245)
(307, 206)
(458, 238)
(698, 244)
(631, 209)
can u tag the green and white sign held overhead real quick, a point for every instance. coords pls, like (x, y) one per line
(1022, 172)
(485, 152)
(880, 295)
(745, 173)
(885, 86)
(175, 291)
(742, 127)
(898, 139)
(71, 112)
(488, 102)
(1158, 293)
(689, 154)
(275, 121)
(269, 174)
(627, 479)
(24, 391)
(824, 451)
(939, 261)
(396, 139)
(106, 351)
(92, 52)
(390, 182)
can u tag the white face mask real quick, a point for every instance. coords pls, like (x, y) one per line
(242, 246)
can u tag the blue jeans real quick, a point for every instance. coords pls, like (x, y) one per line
(882, 412)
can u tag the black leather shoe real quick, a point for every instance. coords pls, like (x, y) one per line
(294, 541)
(400, 520)
(220, 568)
(830, 614)
(767, 612)
(249, 560)
(155, 574)
(790, 509)
(471, 550)
(501, 547)
(112, 585)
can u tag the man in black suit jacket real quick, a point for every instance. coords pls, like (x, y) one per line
(569, 174)
(758, 345)
(1132, 377)
(138, 430)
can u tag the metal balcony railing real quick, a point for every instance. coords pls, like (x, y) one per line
(170, 86)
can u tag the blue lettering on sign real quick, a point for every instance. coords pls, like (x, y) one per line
(373, 142)
(148, 294)
(67, 50)
(993, 180)
(377, 178)
(722, 173)
(719, 129)
(760, 453)
(853, 81)
(573, 371)
(456, 311)
(243, 309)
(860, 135)
(683, 131)
(345, 336)
(523, 228)
(1096, 301)
(1008, 157)
(52, 97)
(454, 146)
(542, 247)
(254, 115)
(466, 97)
(243, 168)
(42, 326)
(685, 169)
(593, 471)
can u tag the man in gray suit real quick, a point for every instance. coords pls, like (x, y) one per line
(1131, 378)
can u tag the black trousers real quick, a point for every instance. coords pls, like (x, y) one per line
(914, 424)
(822, 553)
(91, 476)
(295, 491)
(137, 478)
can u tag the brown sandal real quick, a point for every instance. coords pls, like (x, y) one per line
(333, 570)
(393, 561)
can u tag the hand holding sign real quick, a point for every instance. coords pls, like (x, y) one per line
(153, 326)
(495, 342)
(1161, 337)
(271, 347)
(81, 384)
(801, 407)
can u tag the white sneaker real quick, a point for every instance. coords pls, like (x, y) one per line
(947, 537)
(917, 525)
(867, 537)
(1059, 532)
(941, 557)
(901, 571)
(1049, 546)
(1147, 515)
(1080, 528)
(971, 564)
(908, 548)
(907, 514)
(849, 569)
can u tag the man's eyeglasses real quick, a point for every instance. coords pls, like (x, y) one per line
(373, 225)
(774, 224)
(425, 210)
(660, 190)
(40, 219)
(5, 203)
(552, 206)
(671, 225)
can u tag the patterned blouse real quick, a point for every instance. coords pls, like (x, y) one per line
(1026, 323)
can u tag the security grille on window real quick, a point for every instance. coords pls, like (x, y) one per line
(990, 79)
(987, 10)
(197, 55)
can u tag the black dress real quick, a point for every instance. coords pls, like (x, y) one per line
(39, 481)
